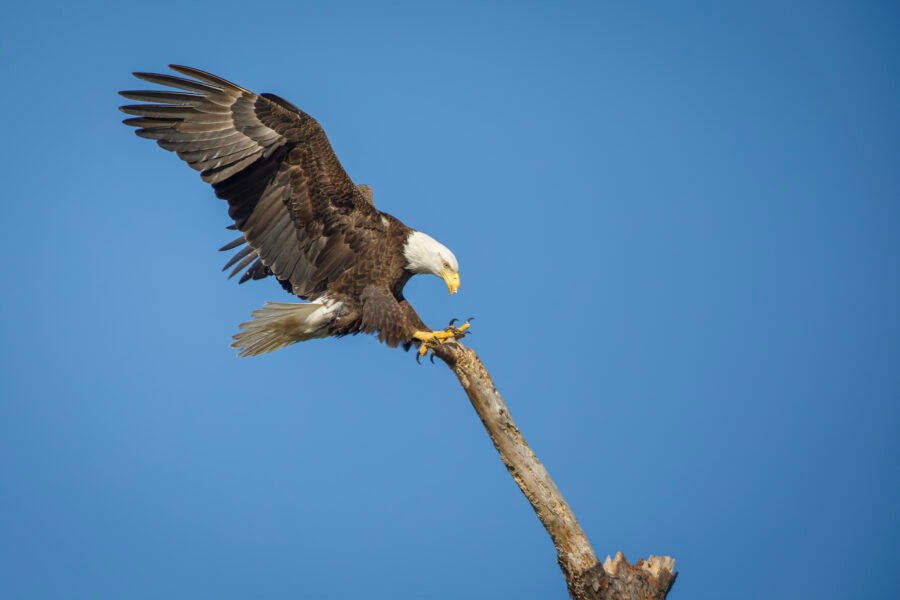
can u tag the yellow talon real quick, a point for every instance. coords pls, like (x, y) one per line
(431, 339)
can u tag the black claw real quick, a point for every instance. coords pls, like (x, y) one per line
(417, 358)
(470, 319)
(432, 358)
(452, 321)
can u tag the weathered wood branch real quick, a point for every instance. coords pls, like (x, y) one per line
(587, 579)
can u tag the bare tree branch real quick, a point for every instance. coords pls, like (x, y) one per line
(587, 579)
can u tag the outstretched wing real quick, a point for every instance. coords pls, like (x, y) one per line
(299, 213)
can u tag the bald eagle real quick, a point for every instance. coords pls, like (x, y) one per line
(300, 216)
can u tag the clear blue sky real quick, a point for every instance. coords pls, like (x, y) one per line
(679, 230)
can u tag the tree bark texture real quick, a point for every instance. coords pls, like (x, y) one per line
(586, 577)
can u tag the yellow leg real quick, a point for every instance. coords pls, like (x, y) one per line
(431, 339)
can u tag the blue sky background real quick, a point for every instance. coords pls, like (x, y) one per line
(679, 230)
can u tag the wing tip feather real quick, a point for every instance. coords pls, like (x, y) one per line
(206, 77)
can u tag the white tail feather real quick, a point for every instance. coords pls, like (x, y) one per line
(280, 324)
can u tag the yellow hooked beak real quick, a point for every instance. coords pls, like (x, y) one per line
(451, 279)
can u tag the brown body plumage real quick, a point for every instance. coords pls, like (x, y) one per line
(301, 217)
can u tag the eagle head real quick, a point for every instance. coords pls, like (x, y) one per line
(425, 255)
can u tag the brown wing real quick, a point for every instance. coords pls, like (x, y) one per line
(299, 212)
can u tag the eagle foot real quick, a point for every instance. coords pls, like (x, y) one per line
(433, 339)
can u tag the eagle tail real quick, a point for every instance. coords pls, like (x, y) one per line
(280, 324)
